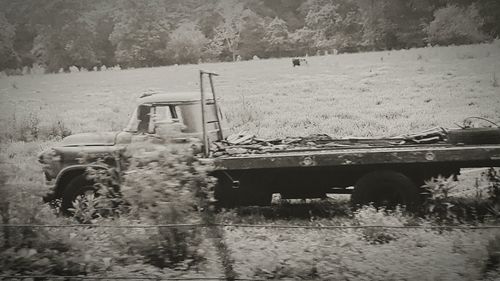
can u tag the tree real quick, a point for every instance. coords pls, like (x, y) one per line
(65, 36)
(302, 42)
(252, 33)
(8, 56)
(276, 37)
(208, 22)
(490, 12)
(456, 25)
(19, 14)
(376, 28)
(287, 10)
(389, 24)
(337, 24)
(186, 43)
(141, 33)
(136, 33)
(227, 34)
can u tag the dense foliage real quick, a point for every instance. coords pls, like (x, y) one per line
(159, 186)
(59, 34)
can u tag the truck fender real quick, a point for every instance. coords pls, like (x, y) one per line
(69, 173)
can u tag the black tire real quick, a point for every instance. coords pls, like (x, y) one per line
(77, 186)
(386, 188)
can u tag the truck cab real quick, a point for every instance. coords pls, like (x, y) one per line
(158, 116)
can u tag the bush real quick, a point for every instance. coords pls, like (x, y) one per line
(369, 215)
(160, 186)
(166, 185)
(56, 130)
(456, 25)
(493, 178)
(29, 128)
(438, 201)
(444, 208)
(37, 251)
(107, 200)
(492, 266)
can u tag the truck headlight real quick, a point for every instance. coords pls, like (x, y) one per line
(49, 156)
(40, 157)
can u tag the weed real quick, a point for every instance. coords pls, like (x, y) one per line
(165, 186)
(85, 209)
(492, 266)
(493, 178)
(438, 201)
(58, 130)
(369, 215)
(36, 251)
(30, 128)
(494, 80)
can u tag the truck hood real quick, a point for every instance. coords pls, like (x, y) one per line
(91, 139)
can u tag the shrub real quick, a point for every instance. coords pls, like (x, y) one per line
(493, 177)
(165, 185)
(89, 208)
(30, 128)
(106, 201)
(438, 200)
(57, 130)
(492, 266)
(369, 215)
(456, 25)
(451, 209)
(37, 251)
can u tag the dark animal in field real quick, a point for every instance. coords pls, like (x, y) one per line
(297, 62)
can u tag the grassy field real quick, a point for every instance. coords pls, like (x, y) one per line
(368, 94)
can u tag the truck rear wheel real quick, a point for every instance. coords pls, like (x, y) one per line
(386, 188)
(76, 187)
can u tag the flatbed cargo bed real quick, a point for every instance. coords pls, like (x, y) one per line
(467, 155)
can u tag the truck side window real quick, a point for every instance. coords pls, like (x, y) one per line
(166, 114)
(143, 115)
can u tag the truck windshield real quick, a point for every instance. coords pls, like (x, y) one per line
(140, 119)
(132, 123)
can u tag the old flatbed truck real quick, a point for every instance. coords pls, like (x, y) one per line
(385, 171)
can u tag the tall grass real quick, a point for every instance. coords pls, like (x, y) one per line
(343, 95)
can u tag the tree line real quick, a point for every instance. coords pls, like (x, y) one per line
(59, 34)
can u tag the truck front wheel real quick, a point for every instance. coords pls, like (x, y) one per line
(386, 188)
(80, 185)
